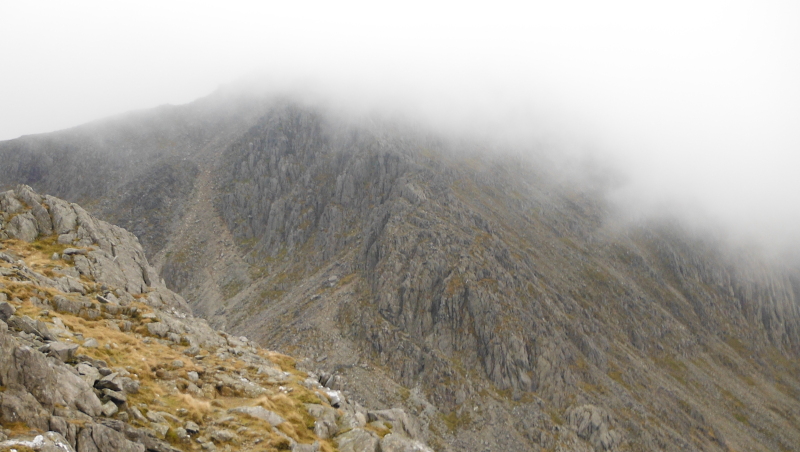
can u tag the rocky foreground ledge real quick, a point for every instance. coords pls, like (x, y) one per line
(96, 354)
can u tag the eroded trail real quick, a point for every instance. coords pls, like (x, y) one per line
(202, 237)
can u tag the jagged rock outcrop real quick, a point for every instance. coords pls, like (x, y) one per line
(594, 425)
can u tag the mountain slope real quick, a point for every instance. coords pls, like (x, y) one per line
(96, 355)
(501, 302)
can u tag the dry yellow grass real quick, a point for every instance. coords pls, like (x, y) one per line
(19, 428)
(146, 360)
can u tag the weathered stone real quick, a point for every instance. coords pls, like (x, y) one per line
(91, 343)
(191, 428)
(129, 385)
(6, 311)
(46, 442)
(89, 373)
(259, 412)
(158, 329)
(66, 239)
(30, 326)
(62, 304)
(73, 391)
(313, 447)
(400, 421)
(136, 414)
(99, 438)
(63, 351)
(357, 440)
(160, 428)
(114, 396)
(274, 374)
(110, 408)
(228, 385)
(110, 381)
(73, 285)
(23, 227)
(222, 435)
(593, 424)
(21, 406)
(325, 425)
(397, 443)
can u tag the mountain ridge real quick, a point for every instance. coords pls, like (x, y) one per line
(489, 295)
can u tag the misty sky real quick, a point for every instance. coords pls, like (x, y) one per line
(698, 101)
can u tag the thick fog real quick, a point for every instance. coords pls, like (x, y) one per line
(696, 102)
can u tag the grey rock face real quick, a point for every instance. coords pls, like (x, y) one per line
(594, 425)
(6, 311)
(99, 438)
(64, 352)
(158, 329)
(30, 326)
(357, 440)
(110, 409)
(76, 392)
(222, 435)
(398, 443)
(89, 373)
(21, 406)
(325, 425)
(260, 413)
(23, 227)
(400, 421)
(47, 442)
(111, 381)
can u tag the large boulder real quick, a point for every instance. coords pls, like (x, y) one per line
(73, 391)
(357, 440)
(63, 351)
(49, 382)
(18, 405)
(23, 227)
(262, 413)
(6, 311)
(99, 438)
(46, 442)
(325, 425)
(30, 326)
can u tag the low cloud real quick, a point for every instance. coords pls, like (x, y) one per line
(696, 103)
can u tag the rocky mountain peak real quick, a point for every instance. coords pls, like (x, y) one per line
(503, 305)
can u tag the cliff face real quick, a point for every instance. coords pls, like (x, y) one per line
(97, 355)
(502, 303)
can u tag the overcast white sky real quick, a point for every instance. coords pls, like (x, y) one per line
(698, 100)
